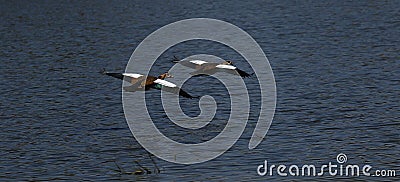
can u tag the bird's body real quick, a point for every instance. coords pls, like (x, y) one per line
(206, 68)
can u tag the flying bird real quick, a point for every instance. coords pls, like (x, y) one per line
(143, 83)
(206, 68)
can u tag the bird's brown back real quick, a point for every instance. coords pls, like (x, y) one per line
(208, 66)
(134, 81)
(149, 81)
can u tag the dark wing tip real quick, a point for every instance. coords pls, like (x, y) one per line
(177, 91)
(243, 74)
(185, 94)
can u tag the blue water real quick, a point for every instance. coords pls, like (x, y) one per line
(336, 65)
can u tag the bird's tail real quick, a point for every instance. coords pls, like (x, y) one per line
(115, 75)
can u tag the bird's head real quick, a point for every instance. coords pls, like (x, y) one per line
(228, 62)
(165, 75)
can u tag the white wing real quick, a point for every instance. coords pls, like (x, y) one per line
(224, 66)
(133, 75)
(198, 62)
(165, 83)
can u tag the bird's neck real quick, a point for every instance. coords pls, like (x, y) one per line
(161, 77)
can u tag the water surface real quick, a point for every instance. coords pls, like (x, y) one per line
(336, 65)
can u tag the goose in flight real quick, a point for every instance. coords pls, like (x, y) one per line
(206, 68)
(143, 83)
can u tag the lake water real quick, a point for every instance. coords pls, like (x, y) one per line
(336, 66)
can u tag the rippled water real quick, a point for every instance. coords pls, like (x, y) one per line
(336, 65)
